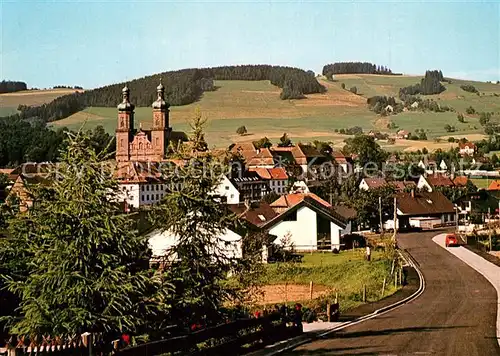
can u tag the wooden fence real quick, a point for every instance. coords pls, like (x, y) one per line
(232, 338)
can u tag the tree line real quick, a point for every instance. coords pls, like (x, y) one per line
(182, 87)
(430, 84)
(354, 67)
(32, 141)
(10, 86)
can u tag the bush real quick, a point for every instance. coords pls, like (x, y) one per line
(342, 86)
(484, 118)
(469, 88)
(460, 117)
(241, 130)
(470, 110)
(451, 139)
(449, 128)
(354, 90)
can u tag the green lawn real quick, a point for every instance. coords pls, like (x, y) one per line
(344, 273)
(482, 183)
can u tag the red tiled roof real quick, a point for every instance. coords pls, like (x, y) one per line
(402, 185)
(257, 213)
(495, 185)
(439, 180)
(460, 181)
(467, 145)
(289, 200)
(375, 182)
(263, 158)
(278, 173)
(270, 173)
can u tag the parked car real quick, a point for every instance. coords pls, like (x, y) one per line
(451, 240)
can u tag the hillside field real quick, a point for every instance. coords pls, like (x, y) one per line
(256, 105)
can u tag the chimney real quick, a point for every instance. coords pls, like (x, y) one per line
(247, 204)
(413, 193)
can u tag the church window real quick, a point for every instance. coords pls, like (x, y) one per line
(157, 142)
(140, 145)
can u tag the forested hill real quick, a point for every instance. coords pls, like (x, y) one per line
(182, 87)
(9, 86)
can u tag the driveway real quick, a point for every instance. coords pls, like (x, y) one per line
(456, 315)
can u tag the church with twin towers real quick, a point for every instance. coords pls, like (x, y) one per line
(143, 145)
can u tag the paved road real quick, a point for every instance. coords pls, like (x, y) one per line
(456, 315)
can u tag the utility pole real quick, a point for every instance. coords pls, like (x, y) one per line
(380, 215)
(489, 227)
(395, 221)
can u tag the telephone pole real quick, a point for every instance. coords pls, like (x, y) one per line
(380, 216)
(395, 221)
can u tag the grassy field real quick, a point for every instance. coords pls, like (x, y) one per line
(343, 273)
(256, 105)
(482, 183)
(10, 101)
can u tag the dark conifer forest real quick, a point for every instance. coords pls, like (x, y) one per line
(354, 68)
(9, 86)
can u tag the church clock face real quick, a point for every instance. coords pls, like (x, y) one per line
(122, 123)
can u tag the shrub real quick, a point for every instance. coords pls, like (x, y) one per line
(353, 90)
(241, 130)
(469, 88)
(460, 117)
(470, 110)
(342, 86)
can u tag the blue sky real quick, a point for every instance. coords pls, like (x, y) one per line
(94, 43)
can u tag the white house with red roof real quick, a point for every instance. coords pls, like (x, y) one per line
(467, 149)
(276, 177)
(308, 221)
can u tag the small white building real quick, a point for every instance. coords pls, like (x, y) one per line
(309, 222)
(372, 183)
(467, 149)
(227, 189)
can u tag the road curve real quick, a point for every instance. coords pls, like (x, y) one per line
(456, 315)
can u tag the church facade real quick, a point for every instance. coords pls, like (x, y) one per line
(142, 145)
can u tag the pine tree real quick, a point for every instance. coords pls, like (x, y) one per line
(285, 141)
(197, 218)
(85, 266)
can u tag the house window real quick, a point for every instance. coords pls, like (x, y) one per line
(157, 187)
(157, 197)
(147, 188)
(142, 197)
(291, 216)
(232, 195)
(147, 197)
(227, 188)
(142, 188)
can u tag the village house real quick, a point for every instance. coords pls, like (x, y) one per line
(26, 175)
(309, 222)
(433, 181)
(250, 186)
(467, 149)
(402, 135)
(372, 183)
(277, 178)
(475, 206)
(423, 209)
(227, 189)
